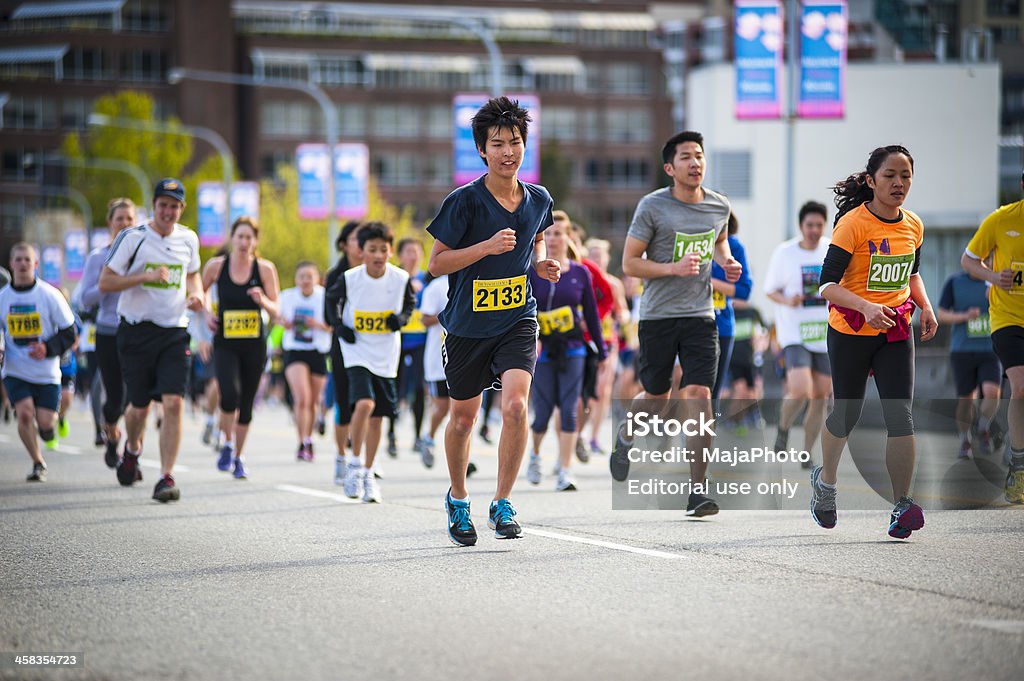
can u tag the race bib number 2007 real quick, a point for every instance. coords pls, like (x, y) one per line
(492, 295)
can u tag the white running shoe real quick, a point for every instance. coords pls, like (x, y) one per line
(339, 470)
(371, 489)
(565, 482)
(353, 480)
(533, 473)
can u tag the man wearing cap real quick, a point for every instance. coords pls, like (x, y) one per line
(1001, 236)
(155, 266)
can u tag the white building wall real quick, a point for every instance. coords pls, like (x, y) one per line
(947, 115)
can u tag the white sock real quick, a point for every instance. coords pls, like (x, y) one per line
(465, 501)
(354, 461)
(825, 484)
(365, 471)
(341, 458)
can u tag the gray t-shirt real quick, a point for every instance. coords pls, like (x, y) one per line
(672, 229)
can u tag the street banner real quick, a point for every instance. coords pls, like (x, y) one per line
(244, 200)
(76, 245)
(314, 165)
(468, 164)
(212, 206)
(823, 38)
(758, 48)
(51, 264)
(351, 180)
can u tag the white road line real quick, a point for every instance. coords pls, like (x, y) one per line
(341, 498)
(1005, 626)
(603, 544)
(69, 449)
(150, 463)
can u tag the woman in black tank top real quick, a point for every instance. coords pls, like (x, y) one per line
(240, 339)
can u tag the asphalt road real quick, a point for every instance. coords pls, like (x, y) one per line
(280, 577)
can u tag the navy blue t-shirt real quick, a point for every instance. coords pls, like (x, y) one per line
(490, 296)
(959, 293)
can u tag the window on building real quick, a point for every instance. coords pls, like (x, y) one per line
(146, 16)
(627, 125)
(73, 113)
(1006, 35)
(87, 63)
(439, 121)
(286, 71)
(1002, 8)
(593, 175)
(729, 173)
(289, 119)
(395, 169)
(147, 66)
(352, 120)
(628, 173)
(340, 71)
(30, 113)
(437, 170)
(624, 78)
(391, 120)
(559, 123)
(20, 165)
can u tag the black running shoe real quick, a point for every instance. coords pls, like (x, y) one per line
(699, 506)
(618, 462)
(502, 519)
(38, 473)
(111, 457)
(128, 472)
(485, 434)
(460, 525)
(392, 446)
(470, 469)
(166, 490)
(101, 438)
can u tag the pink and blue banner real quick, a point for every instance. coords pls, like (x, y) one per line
(758, 49)
(76, 248)
(468, 165)
(212, 200)
(244, 199)
(51, 264)
(351, 180)
(823, 39)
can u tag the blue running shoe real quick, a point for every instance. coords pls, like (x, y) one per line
(502, 519)
(460, 525)
(906, 517)
(239, 470)
(226, 454)
(823, 501)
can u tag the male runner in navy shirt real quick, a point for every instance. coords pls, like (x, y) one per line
(487, 234)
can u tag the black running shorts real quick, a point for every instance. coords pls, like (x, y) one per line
(693, 340)
(474, 364)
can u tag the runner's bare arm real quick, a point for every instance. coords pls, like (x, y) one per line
(445, 260)
(723, 256)
(112, 282)
(929, 325)
(634, 264)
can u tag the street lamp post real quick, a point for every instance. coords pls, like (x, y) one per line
(330, 114)
(115, 164)
(206, 134)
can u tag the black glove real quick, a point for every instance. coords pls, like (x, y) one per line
(393, 322)
(346, 333)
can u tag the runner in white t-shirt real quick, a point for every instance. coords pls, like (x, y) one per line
(37, 327)
(306, 342)
(155, 266)
(801, 323)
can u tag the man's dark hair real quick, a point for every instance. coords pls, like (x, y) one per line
(668, 152)
(369, 231)
(503, 113)
(813, 207)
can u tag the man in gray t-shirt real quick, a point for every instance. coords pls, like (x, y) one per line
(676, 233)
